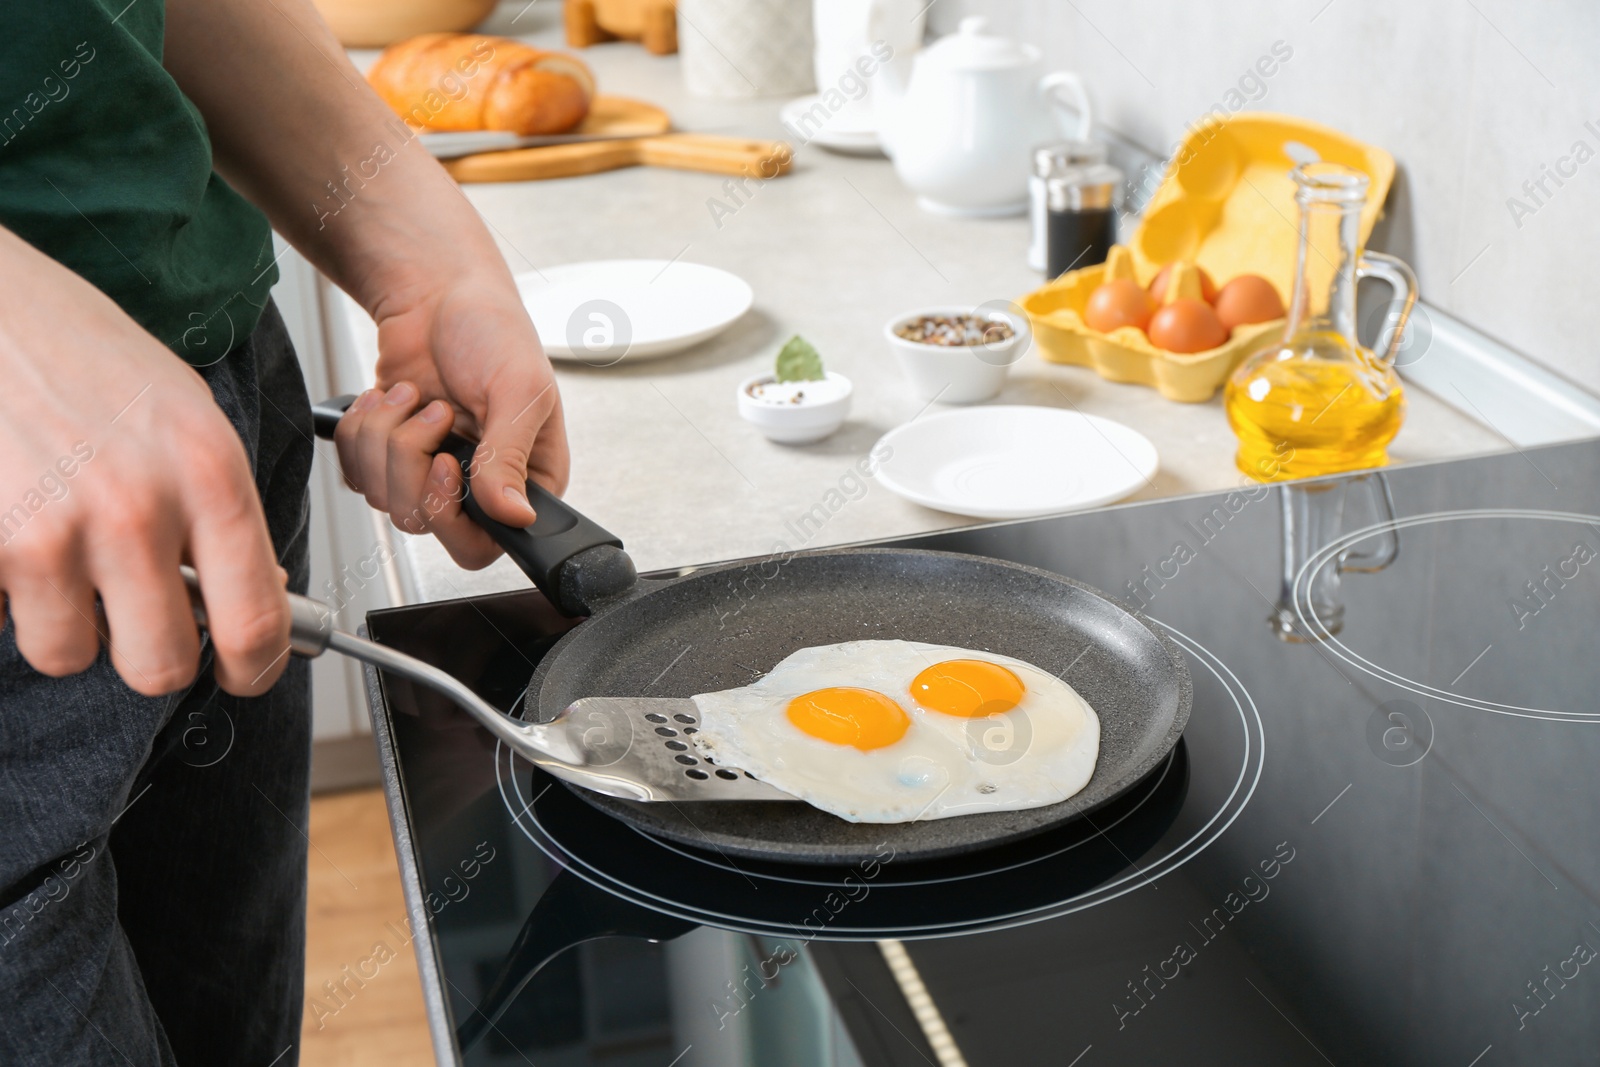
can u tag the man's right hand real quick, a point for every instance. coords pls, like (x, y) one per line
(116, 465)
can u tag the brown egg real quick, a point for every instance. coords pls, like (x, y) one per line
(1186, 325)
(1119, 302)
(1158, 284)
(1246, 299)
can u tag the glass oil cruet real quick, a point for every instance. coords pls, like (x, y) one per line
(1317, 402)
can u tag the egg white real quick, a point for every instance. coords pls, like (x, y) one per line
(1041, 752)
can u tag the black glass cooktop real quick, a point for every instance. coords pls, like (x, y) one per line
(1377, 843)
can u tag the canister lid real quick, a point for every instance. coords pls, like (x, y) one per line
(1059, 155)
(1090, 188)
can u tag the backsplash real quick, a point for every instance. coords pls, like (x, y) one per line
(1491, 109)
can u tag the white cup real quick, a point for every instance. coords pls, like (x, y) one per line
(846, 30)
(959, 374)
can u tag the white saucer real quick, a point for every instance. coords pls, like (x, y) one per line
(603, 312)
(841, 132)
(1015, 462)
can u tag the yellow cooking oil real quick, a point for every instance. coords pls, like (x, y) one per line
(1316, 405)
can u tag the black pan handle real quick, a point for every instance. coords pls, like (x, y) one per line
(576, 563)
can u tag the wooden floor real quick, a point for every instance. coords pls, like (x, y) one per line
(356, 938)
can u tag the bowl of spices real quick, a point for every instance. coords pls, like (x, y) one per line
(798, 401)
(957, 355)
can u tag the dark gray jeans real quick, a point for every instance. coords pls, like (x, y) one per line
(153, 851)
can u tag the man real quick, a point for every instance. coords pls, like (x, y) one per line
(152, 899)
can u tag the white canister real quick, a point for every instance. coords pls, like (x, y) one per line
(744, 48)
(1048, 160)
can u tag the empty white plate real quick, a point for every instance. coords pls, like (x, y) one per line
(1015, 462)
(603, 312)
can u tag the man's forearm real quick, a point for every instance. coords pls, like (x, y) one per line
(296, 129)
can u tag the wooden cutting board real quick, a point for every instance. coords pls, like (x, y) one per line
(645, 142)
(615, 116)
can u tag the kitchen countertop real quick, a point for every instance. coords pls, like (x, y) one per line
(833, 250)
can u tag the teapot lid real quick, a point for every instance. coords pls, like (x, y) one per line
(972, 47)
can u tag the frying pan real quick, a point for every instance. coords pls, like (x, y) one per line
(724, 626)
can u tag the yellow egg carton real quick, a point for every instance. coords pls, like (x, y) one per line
(1226, 204)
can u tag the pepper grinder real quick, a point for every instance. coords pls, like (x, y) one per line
(1048, 161)
(1080, 217)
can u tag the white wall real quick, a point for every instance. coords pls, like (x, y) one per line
(1470, 96)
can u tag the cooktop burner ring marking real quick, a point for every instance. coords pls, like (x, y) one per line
(1211, 830)
(1330, 552)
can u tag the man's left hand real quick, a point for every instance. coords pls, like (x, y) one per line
(461, 356)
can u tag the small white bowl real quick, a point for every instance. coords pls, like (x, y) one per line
(958, 374)
(798, 424)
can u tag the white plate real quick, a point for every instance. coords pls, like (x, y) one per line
(603, 312)
(1015, 462)
(842, 132)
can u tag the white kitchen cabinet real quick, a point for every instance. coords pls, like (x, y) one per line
(351, 559)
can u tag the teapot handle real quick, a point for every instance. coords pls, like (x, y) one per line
(1399, 277)
(1050, 87)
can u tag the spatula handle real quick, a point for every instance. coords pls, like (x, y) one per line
(311, 633)
(574, 561)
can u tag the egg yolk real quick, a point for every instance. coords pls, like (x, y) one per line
(844, 715)
(969, 688)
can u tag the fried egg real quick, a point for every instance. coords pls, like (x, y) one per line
(896, 731)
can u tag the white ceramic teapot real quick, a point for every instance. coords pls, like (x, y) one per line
(960, 117)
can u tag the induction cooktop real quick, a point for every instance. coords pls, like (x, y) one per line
(1378, 841)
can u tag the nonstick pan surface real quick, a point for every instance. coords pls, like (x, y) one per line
(723, 627)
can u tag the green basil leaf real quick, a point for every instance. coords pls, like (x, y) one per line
(798, 361)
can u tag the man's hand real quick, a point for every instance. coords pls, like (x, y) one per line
(295, 128)
(118, 467)
(463, 355)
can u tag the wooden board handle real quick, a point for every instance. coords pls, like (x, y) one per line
(710, 153)
(717, 155)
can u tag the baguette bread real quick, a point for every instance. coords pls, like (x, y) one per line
(463, 81)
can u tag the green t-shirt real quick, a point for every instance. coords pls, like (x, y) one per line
(105, 166)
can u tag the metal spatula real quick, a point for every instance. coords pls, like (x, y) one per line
(636, 748)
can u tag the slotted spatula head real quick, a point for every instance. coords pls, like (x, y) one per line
(639, 749)
(635, 748)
